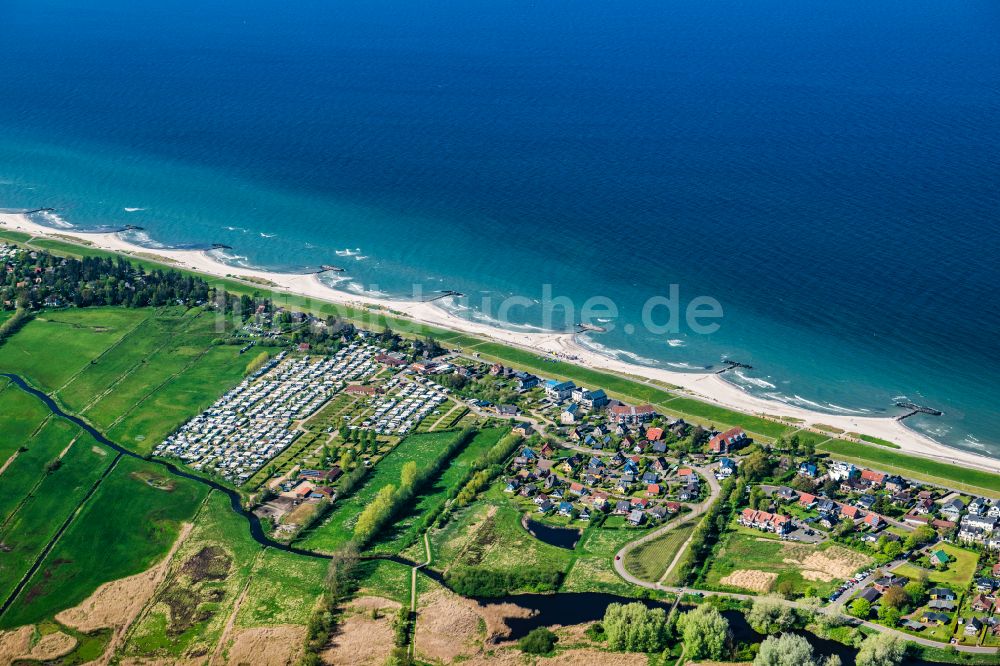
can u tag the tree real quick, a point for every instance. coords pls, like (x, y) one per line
(635, 628)
(705, 633)
(770, 616)
(895, 597)
(861, 608)
(888, 615)
(916, 591)
(756, 466)
(881, 650)
(408, 474)
(785, 650)
(538, 641)
(920, 536)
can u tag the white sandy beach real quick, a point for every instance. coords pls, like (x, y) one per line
(708, 387)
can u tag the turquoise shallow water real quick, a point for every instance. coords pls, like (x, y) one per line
(827, 173)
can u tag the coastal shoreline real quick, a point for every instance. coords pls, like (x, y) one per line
(708, 387)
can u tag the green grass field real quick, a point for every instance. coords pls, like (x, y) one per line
(923, 469)
(434, 496)
(338, 528)
(129, 523)
(650, 560)
(49, 498)
(55, 346)
(488, 535)
(957, 574)
(593, 568)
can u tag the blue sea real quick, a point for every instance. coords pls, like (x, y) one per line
(829, 172)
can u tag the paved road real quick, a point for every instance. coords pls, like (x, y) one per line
(696, 511)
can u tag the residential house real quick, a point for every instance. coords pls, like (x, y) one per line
(873, 521)
(523, 429)
(952, 509)
(873, 478)
(577, 489)
(654, 434)
(807, 500)
(808, 469)
(934, 617)
(942, 593)
(658, 512)
(631, 415)
(653, 490)
(545, 506)
(525, 381)
(939, 558)
(726, 468)
(895, 484)
(870, 594)
(885, 582)
(787, 494)
(973, 626)
(841, 471)
(941, 605)
(636, 517)
(570, 415)
(558, 391)
(565, 508)
(983, 604)
(590, 399)
(622, 507)
(728, 441)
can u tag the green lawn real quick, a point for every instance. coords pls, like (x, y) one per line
(129, 523)
(338, 528)
(22, 415)
(957, 574)
(924, 469)
(650, 560)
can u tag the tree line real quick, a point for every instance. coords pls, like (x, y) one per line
(34, 279)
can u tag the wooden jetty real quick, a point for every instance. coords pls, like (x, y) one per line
(732, 365)
(591, 328)
(444, 294)
(915, 409)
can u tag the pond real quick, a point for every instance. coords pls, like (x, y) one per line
(562, 537)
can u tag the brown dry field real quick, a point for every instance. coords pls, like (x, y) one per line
(16, 644)
(750, 579)
(447, 627)
(359, 639)
(266, 646)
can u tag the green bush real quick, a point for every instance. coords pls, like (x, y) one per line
(538, 641)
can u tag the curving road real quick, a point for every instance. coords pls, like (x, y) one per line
(696, 511)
